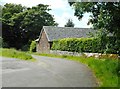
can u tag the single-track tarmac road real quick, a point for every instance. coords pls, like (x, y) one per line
(46, 72)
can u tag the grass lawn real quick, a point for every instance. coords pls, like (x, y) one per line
(105, 70)
(12, 53)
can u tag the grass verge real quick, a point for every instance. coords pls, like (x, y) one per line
(15, 54)
(105, 70)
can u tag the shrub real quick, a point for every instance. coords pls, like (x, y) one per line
(3, 44)
(0, 42)
(33, 46)
(112, 45)
(77, 45)
(25, 47)
(55, 45)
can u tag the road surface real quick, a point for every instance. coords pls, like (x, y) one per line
(45, 72)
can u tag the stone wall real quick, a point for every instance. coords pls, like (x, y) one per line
(73, 53)
(96, 55)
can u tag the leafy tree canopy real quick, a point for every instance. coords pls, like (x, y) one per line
(105, 16)
(21, 24)
(69, 23)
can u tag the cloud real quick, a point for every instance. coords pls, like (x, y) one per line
(83, 22)
(62, 20)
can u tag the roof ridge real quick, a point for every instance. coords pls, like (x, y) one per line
(67, 27)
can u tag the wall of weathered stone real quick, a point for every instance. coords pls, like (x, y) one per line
(96, 55)
(43, 46)
(73, 53)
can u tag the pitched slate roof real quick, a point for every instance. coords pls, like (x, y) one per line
(55, 33)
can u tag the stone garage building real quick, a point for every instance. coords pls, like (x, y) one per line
(50, 33)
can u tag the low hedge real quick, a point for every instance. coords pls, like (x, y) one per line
(83, 45)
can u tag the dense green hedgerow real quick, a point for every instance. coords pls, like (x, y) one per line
(77, 45)
(94, 45)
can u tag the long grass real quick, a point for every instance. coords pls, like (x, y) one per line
(12, 53)
(105, 70)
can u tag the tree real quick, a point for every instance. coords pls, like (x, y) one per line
(35, 19)
(0, 11)
(0, 21)
(10, 34)
(69, 23)
(21, 25)
(105, 16)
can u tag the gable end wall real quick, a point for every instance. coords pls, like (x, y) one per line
(43, 45)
